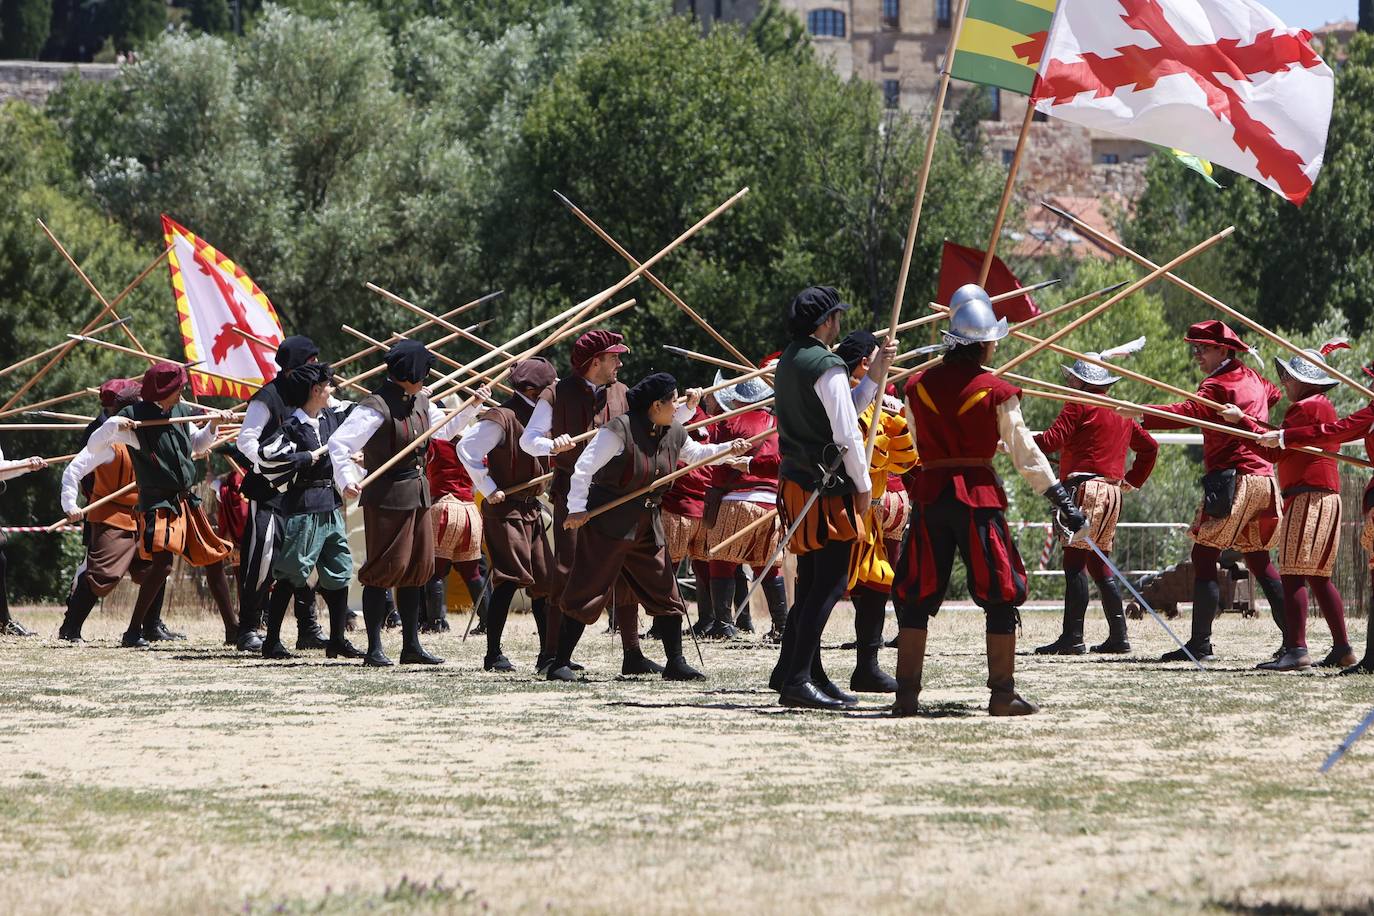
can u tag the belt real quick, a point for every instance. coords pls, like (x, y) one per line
(1298, 491)
(325, 482)
(956, 463)
(1082, 477)
(402, 474)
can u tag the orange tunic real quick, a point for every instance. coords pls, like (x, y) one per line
(110, 477)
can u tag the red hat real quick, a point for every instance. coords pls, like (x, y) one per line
(163, 380)
(592, 344)
(120, 392)
(1216, 334)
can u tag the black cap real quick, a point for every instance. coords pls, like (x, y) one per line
(811, 307)
(855, 348)
(296, 350)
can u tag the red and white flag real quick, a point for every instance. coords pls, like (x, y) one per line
(1224, 80)
(213, 297)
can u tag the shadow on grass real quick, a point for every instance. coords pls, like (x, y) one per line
(1289, 908)
(939, 711)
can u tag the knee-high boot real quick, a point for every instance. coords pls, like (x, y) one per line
(374, 617)
(1366, 664)
(154, 630)
(706, 599)
(669, 628)
(436, 605)
(911, 659)
(1273, 593)
(1116, 642)
(775, 594)
(1003, 699)
(868, 639)
(308, 632)
(282, 595)
(539, 610)
(409, 599)
(569, 633)
(336, 602)
(497, 612)
(1070, 641)
(723, 600)
(80, 603)
(1206, 597)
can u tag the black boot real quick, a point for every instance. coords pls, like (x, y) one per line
(1206, 597)
(481, 605)
(251, 600)
(393, 616)
(282, 595)
(1273, 593)
(539, 608)
(787, 648)
(409, 599)
(723, 600)
(336, 601)
(498, 610)
(569, 633)
(868, 640)
(706, 607)
(677, 669)
(80, 603)
(154, 630)
(1070, 641)
(436, 606)
(1366, 664)
(308, 632)
(133, 639)
(828, 687)
(1116, 643)
(744, 620)
(775, 594)
(374, 616)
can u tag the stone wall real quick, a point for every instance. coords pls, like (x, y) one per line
(33, 81)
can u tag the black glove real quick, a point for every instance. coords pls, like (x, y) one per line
(1066, 513)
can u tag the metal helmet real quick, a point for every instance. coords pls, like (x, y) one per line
(742, 394)
(1311, 371)
(971, 318)
(1090, 373)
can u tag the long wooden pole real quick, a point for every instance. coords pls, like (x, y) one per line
(85, 329)
(921, 180)
(60, 399)
(109, 497)
(766, 519)
(252, 338)
(352, 381)
(160, 359)
(1213, 301)
(367, 351)
(1092, 313)
(653, 281)
(55, 347)
(1005, 203)
(109, 309)
(442, 322)
(446, 360)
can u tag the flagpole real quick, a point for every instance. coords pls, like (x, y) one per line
(1006, 194)
(922, 178)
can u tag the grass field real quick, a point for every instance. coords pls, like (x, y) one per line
(194, 779)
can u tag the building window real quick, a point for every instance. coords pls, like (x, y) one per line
(1007, 156)
(1110, 159)
(995, 103)
(719, 12)
(943, 18)
(892, 14)
(825, 23)
(892, 93)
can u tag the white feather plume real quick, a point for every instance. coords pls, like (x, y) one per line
(1126, 349)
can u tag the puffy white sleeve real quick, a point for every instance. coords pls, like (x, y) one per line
(454, 427)
(837, 398)
(605, 445)
(1026, 456)
(473, 449)
(86, 460)
(535, 440)
(111, 432)
(694, 451)
(250, 433)
(349, 438)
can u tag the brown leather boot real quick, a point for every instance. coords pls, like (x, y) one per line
(1004, 700)
(911, 658)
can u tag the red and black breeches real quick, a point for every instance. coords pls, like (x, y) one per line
(996, 576)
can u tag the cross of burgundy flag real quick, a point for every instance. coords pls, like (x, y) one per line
(1223, 79)
(213, 297)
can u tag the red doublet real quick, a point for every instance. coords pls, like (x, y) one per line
(1299, 469)
(955, 409)
(446, 473)
(687, 495)
(1095, 440)
(1234, 383)
(1329, 434)
(765, 457)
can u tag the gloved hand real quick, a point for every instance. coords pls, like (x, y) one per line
(1066, 513)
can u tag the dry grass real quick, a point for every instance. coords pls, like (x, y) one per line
(195, 779)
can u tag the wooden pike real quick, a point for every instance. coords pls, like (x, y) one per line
(654, 281)
(353, 381)
(715, 361)
(667, 479)
(55, 347)
(1211, 300)
(189, 367)
(252, 338)
(451, 313)
(85, 329)
(435, 319)
(446, 360)
(110, 497)
(56, 415)
(105, 303)
(766, 519)
(60, 399)
(1092, 313)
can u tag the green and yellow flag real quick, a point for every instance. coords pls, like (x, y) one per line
(1002, 42)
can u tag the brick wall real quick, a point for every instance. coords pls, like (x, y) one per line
(33, 81)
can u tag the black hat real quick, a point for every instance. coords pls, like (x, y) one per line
(651, 388)
(409, 361)
(811, 307)
(296, 350)
(855, 348)
(295, 383)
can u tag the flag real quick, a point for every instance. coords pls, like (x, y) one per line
(1201, 166)
(960, 265)
(1224, 79)
(213, 296)
(1001, 42)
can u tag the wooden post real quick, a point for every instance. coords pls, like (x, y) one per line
(1006, 194)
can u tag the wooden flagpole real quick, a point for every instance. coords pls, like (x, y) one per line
(922, 178)
(1211, 300)
(1005, 203)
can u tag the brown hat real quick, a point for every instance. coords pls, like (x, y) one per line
(119, 393)
(535, 372)
(162, 380)
(593, 343)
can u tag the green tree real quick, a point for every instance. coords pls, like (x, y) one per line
(24, 26)
(132, 22)
(210, 16)
(1366, 23)
(780, 32)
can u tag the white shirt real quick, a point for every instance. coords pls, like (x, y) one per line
(536, 441)
(1026, 456)
(476, 444)
(111, 432)
(364, 421)
(842, 403)
(255, 419)
(11, 469)
(86, 460)
(606, 444)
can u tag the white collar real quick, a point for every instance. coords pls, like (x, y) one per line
(527, 400)
(304, 417)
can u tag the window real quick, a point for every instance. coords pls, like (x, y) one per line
(995, 103)
(892, 93)
(892, 14)
(943, 18)
(1007, 156)
(825, 23)
(1110, 159)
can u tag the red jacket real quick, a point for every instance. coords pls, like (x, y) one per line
(1330, 434)
(764, 457)
(1299, 469)
(446, 473)
(233, 508)
(1095, 440)
(1234, 383)
(955, 409)
(687, 495)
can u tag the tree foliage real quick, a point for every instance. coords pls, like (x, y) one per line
(24, 26)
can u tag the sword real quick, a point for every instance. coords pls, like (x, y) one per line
(472, 614)
(1081, 535)
(827, 475)
(1349, 742)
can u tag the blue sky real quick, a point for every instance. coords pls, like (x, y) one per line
(1308, 14)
